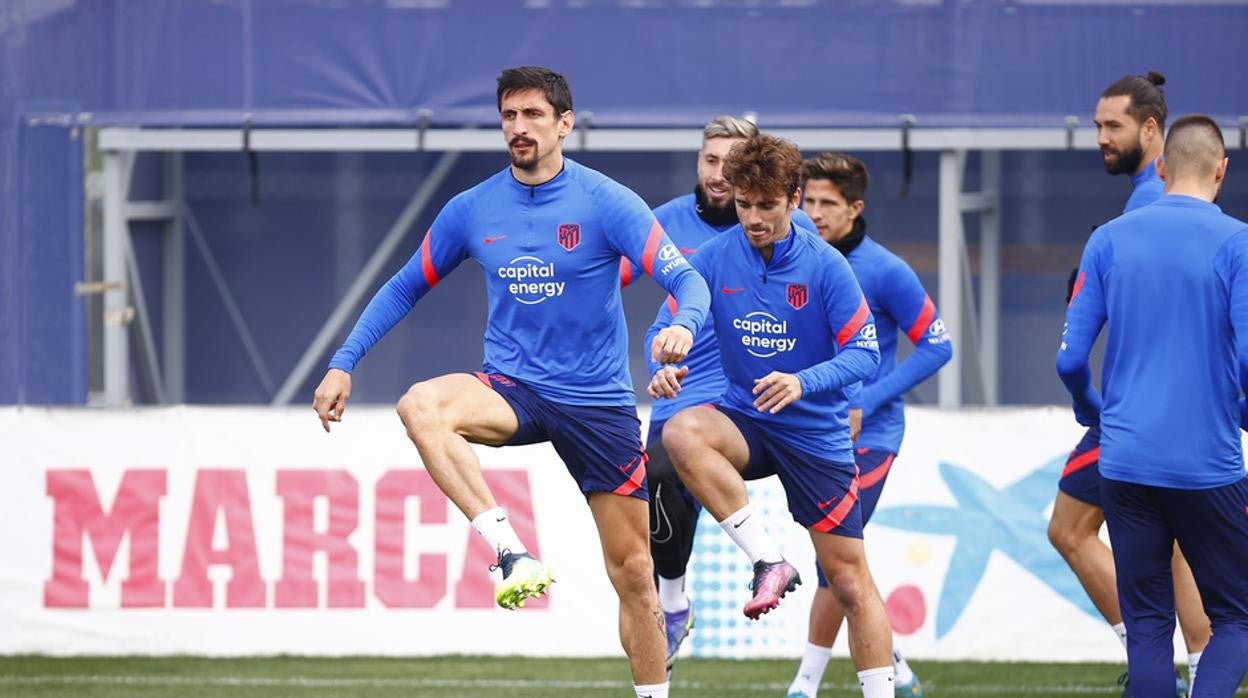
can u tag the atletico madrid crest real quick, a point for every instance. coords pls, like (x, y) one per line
(797, 296)
(569, 235)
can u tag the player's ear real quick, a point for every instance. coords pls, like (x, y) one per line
(1161, 169)
(1221, 173)
(567, 121)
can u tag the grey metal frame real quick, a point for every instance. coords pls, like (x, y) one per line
(974, 331)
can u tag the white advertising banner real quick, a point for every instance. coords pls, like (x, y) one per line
(234, 531)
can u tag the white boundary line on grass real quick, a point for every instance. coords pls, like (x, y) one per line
(416, 682)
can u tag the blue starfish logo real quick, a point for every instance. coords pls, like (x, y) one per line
(987, 519)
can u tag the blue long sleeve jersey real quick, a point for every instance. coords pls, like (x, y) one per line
(705, 382)
(801, 313)
(1146, 187)
(550, 255)
(1171, 281)
(897, 301)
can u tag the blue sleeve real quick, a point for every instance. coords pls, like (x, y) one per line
(1084, 319)
(441, 251)
(850, 318)
(661, 320)
(1231, 265)
(905, 300)
(636, 234)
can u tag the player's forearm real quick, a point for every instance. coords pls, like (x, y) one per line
(693, 298)
(851, 365)
(390, 304)
(918, 367)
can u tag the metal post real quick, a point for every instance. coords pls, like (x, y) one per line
(990, 276)
(173, 262)
(116, 307)
(952, 164)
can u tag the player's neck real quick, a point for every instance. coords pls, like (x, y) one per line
(1150, 157)
(1193, 188)
(547, 169)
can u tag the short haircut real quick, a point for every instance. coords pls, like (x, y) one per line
(765, 165)
(552, 85)
(728, 127)
(1144, 94)
(846, 172)
(1194, 147)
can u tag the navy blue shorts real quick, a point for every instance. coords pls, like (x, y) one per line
(1211, 527)
(822, 494)
(873, 468)
(1081, 478)
(601, 446)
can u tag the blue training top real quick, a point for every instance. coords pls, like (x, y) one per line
(1146, 187)
(801, 313)
(1166, 278)
(550, 254)
(898, 302)
(705, 382)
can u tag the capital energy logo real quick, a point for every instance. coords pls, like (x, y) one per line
(763, 334)
(532, 280)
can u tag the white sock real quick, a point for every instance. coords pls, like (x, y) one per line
(1121, 631)
(495, 528)
(1192, 660)
(747, 531)
(672, 594)
(901, 670)
(810, 673)
(876, 683)
(657, 690)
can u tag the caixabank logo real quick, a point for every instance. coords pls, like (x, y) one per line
(531, 280)
(763, 334)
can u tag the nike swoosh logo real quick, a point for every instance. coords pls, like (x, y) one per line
(501, 519)
(491, 240)
(825, 505)
(730, 291)
(738, 524)
(688, 250)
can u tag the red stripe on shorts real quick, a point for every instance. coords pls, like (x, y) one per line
(1081, 461)
(837, 515)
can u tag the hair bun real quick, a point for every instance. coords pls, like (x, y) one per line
(1156, 78)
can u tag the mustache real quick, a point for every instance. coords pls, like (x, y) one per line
(522, 140)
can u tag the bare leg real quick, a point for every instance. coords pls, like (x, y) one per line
(1191, 611)
(844, 563)
(443, 415)
(1074, 530)
(826, 617)
(709, 453)
(623, 528)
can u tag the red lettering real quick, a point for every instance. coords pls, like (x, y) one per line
(389, 584)
(221, 492)
(300, 541)
(77, 510)
(475, 588)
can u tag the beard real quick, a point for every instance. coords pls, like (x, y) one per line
(527, 162)
(718, 216)
(1127, 163)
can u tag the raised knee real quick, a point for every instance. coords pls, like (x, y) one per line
(418, 408)
(1062, 537)
(681, 435)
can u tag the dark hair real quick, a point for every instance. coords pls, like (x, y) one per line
(764, 164)
(553, 86)
(1194, 147)
(846, 172)
(1145, 96)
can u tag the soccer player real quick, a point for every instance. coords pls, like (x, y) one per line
(834, 187)
(549, 234)
(793, 331)
(1169, 279)
(690, 220)
(1130, 121)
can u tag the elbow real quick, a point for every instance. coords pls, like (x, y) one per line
(944, 352)
(1068, 364)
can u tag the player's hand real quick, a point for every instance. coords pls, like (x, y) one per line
(855, 423)
(666, 381)
(776, 391)
(671, 345)
(330, 398)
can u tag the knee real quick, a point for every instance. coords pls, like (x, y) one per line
(1063, 538)
(850, 587)
(633, 574)
(682, 435)
(418, 409)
